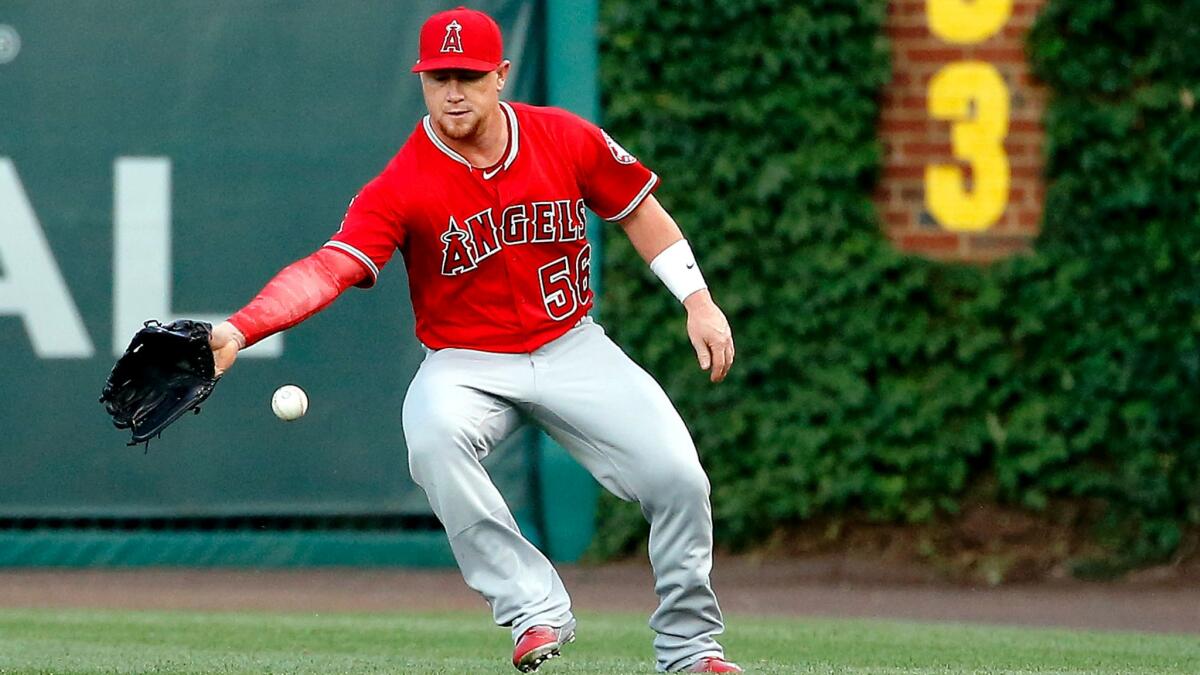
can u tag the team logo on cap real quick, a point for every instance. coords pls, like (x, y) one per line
(620, 154)
(452, 43)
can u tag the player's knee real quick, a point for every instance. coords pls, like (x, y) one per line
(677, 484)
(692, 484)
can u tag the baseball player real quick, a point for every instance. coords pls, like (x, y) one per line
(487, 203)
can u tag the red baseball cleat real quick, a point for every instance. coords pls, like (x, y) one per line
(537, 645)
(714, 664)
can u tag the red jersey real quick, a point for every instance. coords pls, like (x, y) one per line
(497, 258)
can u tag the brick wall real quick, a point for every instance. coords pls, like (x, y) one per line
(914, 139)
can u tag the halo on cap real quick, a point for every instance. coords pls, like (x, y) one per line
(460, 39)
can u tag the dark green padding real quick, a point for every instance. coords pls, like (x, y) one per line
(53, 548)
(270, 120)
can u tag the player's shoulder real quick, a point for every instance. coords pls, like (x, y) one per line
(409, 154)
(394, 182)
(549, 117)
(407, 160)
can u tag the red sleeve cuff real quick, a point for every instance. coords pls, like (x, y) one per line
(637, 200)
(360, 257)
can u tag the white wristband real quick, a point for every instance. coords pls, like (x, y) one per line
(677, 268)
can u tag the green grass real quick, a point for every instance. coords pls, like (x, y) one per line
(83, 641)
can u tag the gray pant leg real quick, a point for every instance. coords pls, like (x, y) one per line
(617, 421)
(452, 419)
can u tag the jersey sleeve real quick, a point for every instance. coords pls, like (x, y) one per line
(613, 182)
(373, 228)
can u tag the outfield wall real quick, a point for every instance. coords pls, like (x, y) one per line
(164, 159)
(874, 387)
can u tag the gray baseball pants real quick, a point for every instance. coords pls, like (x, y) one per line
(615, 420)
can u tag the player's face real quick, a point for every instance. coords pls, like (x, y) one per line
(459, 101)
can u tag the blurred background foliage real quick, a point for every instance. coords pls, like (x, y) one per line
(884, 388)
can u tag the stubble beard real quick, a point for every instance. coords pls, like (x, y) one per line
(458, 131)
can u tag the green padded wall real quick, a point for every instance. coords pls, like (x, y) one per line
(164, 158)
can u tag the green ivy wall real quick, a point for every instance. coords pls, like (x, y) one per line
(876, 386)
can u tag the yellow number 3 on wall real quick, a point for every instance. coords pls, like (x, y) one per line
(967, 21)
(973, 96)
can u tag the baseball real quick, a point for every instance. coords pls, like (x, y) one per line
(289, 402)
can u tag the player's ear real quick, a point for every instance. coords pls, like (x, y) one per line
(502, 74)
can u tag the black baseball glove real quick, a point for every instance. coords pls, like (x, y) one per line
(165, 372)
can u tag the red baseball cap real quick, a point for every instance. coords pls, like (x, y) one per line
(461, 39)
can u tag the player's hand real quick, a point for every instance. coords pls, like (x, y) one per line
(710, 334)
(226, 341)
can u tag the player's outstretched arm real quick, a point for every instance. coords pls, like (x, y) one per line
(299, 291)
(659, 241)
